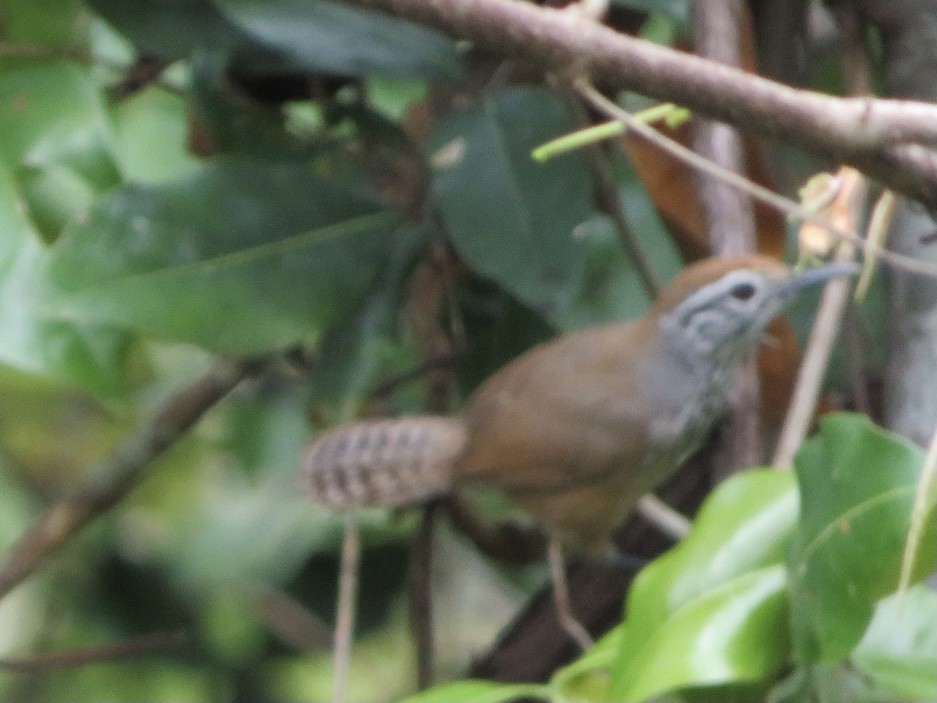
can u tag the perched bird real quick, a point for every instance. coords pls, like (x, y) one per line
(576, 430)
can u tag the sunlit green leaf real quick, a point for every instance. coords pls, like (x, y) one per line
(899, 650)
(735, 632)
(150, 134)
(857, 485)
(743, 526)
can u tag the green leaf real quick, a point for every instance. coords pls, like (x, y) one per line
(58, 24)
(857, 484)
(514, 220)
(736, 632)
(348, 41)
(172, 28)
(151, 131)
(587, 677)
(475, 691)
(743, 526)
(54, 114)
(240, 257)
(899, 650)
(353, 355)
(81, 353)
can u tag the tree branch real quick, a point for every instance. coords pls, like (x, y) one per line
(110, 652)
(876, 136)
(120, 473)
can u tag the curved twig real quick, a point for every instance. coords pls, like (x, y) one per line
(120, 473)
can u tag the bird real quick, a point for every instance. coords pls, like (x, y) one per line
(577, 429)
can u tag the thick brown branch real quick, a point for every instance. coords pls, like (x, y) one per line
(118, 474)
(867, 133)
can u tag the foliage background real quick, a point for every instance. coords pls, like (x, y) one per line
(351, 197)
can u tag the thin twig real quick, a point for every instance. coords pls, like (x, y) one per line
(610, 201)
(670, 522)
(120, 473)
(290, 621)
(844, 211)
(421, 596)
(923, 498)
(347, 598)
(784, 205)
(804, 401)
(392, 384)
(854, 350)
(100, 654)
(729, 215)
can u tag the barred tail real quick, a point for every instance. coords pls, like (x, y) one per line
(387, 463)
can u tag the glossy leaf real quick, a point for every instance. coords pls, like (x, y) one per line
(899, 650)
(587, 678)
(348, 41)
(240, 257)
(514, 220)
(857, 484)
(744, 525)
(736, 632)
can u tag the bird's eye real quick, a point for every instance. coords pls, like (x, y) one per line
(742, 291)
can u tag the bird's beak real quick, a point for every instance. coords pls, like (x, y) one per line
(818, 276)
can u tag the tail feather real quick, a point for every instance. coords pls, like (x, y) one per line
(387, 463)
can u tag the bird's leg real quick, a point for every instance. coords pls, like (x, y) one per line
(564, 608)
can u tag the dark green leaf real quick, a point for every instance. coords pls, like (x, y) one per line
(857, 486)
(240, 257)
(172, 28)
(514, 220)
(354, 354)
(349, 41)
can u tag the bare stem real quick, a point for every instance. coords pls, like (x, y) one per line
(833, 303)
(610, 199)
(111, 652)
(784, 205)
(120, 473)
(345, 616)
